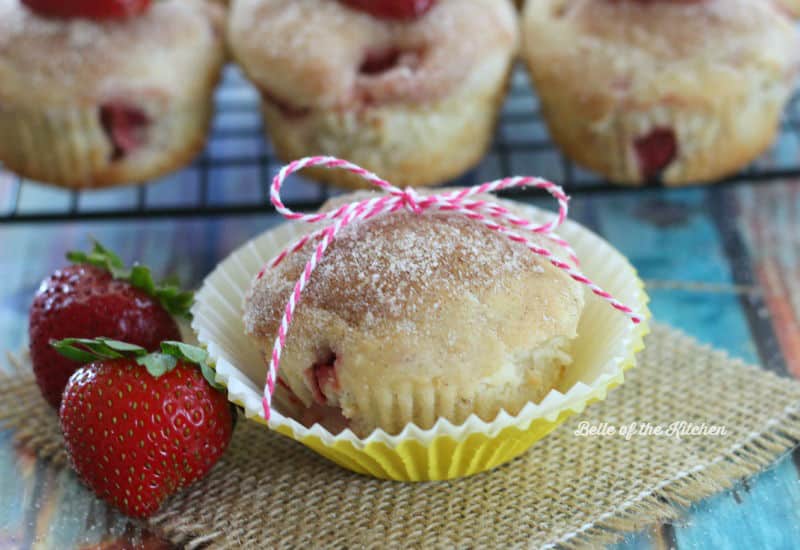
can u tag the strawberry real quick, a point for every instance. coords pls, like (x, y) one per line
(88, 9)
(98, 296)
(661, 1)
(139, 426)
(392, 9)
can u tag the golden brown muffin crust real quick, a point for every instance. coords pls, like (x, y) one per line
(392, 272)
(644, 49)
(53, 61)
(389, 268)
(308, 52)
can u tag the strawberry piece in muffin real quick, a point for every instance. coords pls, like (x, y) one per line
(125, 127)
(655, 151)
(323, 380)
(98, 296)
(88, 9)
(392, 9)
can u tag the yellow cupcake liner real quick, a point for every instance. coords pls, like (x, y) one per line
(606, 347)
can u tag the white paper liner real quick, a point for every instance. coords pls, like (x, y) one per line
(606, 339)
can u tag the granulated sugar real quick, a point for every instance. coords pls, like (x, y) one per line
(394, 265)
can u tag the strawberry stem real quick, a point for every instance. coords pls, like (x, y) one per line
(176, 301)
(89, 350)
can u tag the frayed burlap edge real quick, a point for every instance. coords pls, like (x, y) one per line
(669, 499)
(28, 435)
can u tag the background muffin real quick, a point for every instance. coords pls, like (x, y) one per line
(95, 103)
(791, 6)
(414, 100)
(684, 91)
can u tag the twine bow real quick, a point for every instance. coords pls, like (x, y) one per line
(492, 215)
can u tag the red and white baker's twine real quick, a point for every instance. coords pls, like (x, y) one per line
(397, 199)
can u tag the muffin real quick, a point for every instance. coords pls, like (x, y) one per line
(94, 103)
(792, 7)
(413, 317)
(414, 100)
(674, 91)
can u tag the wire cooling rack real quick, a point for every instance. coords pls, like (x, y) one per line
(232, 174)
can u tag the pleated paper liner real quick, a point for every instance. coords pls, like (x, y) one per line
(606, 346)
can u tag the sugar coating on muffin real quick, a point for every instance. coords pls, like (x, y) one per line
(415, 101)
(682, 91)
(409, 318)
(791, 7)
(86, 103)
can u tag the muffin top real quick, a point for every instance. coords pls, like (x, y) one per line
(647, 51)
(414, 298)
(322, 53)
(77, 61)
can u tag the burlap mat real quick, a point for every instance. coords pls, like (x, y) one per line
(569, 490)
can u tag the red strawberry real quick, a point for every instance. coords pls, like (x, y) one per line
(98, 297)
(663, 1)
(139, 427)
(392, 9)
(88, 9)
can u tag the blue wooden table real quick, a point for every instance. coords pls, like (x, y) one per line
(721, 263)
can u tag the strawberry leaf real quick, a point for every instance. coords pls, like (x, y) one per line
(193, 354)
(86, 350)
(73, 352)
(123, 347)
(140, 278)
(181, 350)
(176, 301)
(157, 364)
(210, 375)
(171, 280)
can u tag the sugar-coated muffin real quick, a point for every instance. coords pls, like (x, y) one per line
(94, 103)
(410, 318)
(792, 7)
(682, 91)
(413, 99)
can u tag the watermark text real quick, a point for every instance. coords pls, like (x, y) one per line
(678, 430)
